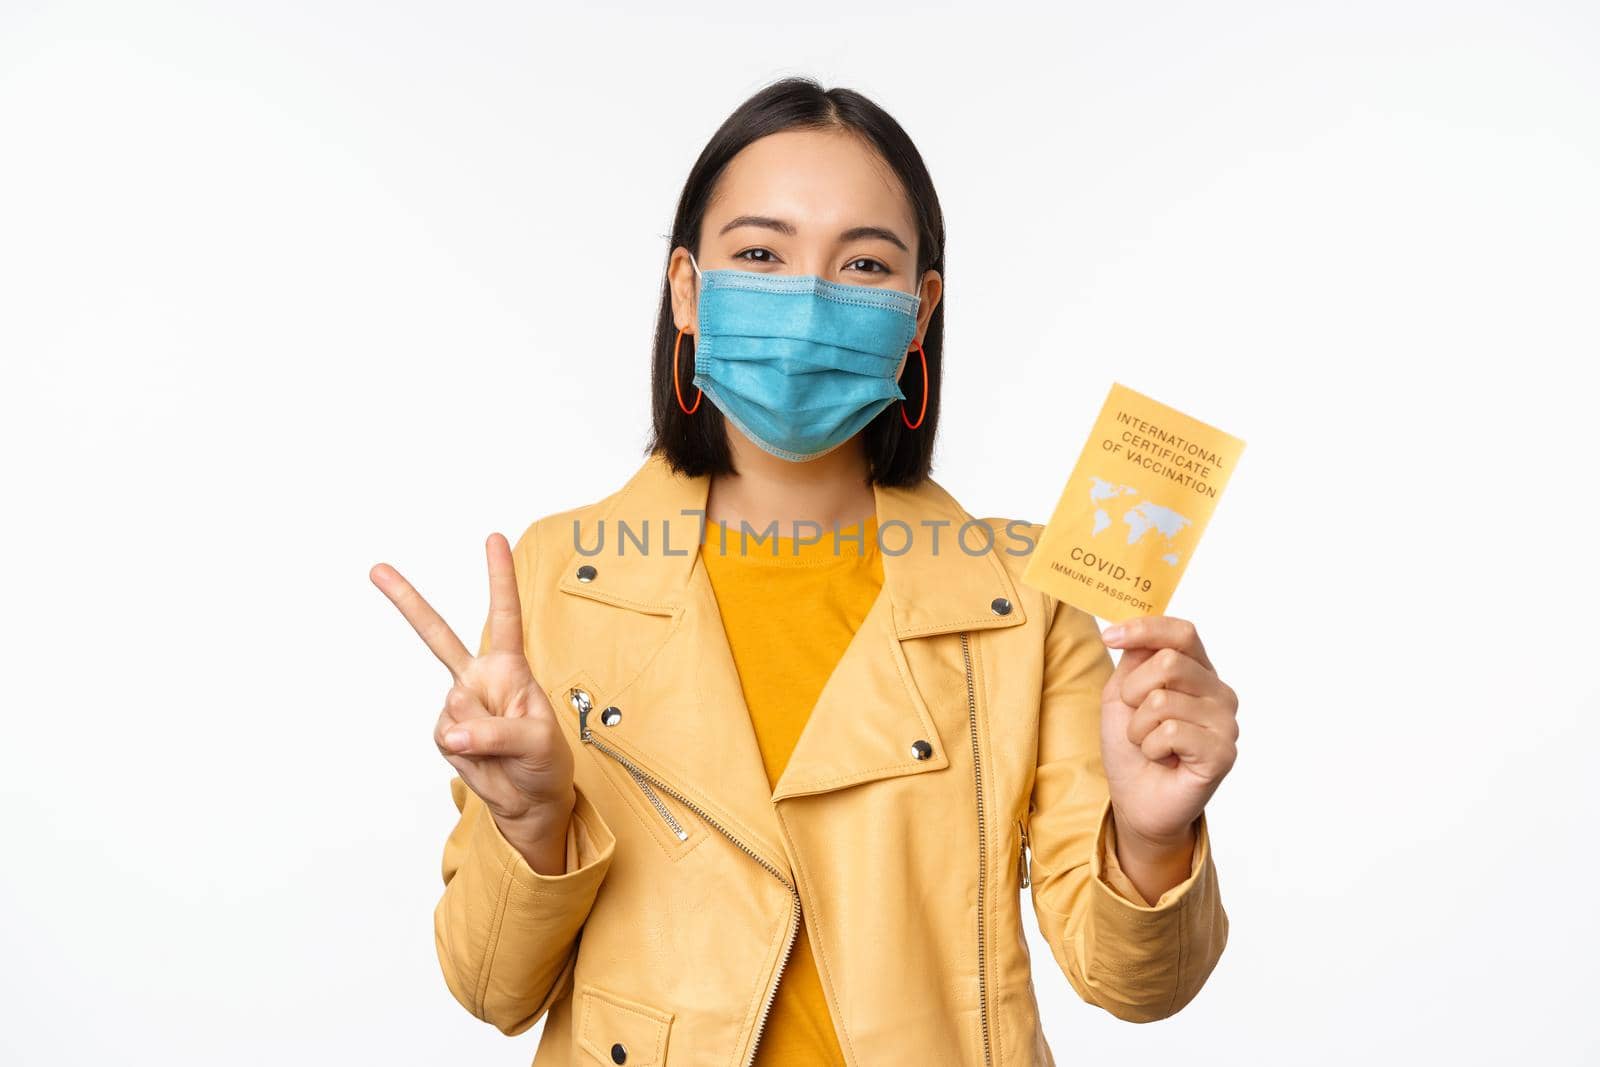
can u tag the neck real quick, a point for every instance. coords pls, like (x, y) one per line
(829, 490)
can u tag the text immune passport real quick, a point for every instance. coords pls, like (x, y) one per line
(1133, 509)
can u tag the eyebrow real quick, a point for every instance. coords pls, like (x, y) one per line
(854, 233)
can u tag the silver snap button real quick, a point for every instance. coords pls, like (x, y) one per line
(611, 716)
(920, 749)
(1000, 606)
(586, 573)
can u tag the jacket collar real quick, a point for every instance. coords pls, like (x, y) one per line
(643, 542)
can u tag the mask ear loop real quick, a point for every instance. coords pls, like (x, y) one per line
(924, 411)
(675, 345)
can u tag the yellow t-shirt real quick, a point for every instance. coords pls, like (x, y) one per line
(788, 618)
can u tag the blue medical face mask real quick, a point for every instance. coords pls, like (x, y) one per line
(798, 363)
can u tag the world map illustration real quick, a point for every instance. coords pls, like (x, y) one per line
(1139, 519)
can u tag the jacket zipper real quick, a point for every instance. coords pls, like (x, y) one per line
(983, 854)
(580, 700)
(1022, 855)
(677, 828)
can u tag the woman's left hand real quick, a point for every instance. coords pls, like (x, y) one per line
(1168, 729)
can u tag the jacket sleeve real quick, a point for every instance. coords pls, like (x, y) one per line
(1139, 961)
(507, 935)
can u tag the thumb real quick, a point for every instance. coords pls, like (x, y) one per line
(493, 735)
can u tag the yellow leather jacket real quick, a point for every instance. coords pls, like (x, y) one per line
(952, 760)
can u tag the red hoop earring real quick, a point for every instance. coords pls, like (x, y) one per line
(675, 388)
(924, 411)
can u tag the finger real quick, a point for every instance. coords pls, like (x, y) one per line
(1176, 741)
(462, 703)
(455, 712)
(433, 630)
(1167, 668)
(1130, 660)
(464, 766)
(471, 770)
(1158, 631)
(505, 608)
(1163, 704)
(442, 727)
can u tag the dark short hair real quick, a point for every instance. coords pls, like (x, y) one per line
(697, 444)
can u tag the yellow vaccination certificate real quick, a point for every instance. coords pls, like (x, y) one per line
(1133, 509)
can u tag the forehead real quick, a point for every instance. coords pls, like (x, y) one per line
(823, 181)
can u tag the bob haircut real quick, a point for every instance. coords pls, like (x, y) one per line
(697, 444)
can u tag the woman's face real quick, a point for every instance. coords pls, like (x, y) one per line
(808, 202)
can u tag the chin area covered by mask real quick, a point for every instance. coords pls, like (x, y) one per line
(798, 363)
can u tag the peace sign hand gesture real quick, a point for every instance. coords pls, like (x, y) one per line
(497, 728)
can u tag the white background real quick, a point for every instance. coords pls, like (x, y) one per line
(288, 289)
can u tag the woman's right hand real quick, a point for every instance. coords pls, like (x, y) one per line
(497, 728)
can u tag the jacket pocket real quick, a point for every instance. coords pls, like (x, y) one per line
(614, 1029)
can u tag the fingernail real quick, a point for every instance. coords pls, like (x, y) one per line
(456, 739)
(1112, 633)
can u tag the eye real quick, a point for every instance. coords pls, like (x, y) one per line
(749, 251)
(881, 269)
